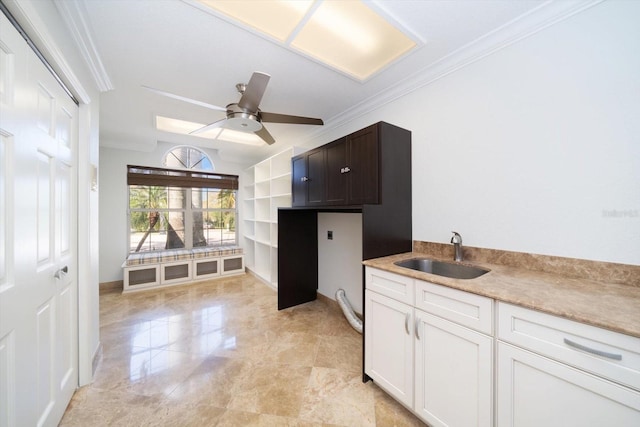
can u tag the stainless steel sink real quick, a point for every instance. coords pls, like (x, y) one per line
(442, 268)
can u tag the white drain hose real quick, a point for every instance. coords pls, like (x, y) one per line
(353, 320)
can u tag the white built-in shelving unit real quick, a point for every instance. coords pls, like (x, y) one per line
(268, 187)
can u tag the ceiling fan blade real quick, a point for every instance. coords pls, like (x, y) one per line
(285, 118)
(185, 99)
(216, 124)
(265, 135)
(252, 95)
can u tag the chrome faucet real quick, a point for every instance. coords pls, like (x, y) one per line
(457, 245)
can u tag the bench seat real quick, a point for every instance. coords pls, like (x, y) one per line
(171, 267)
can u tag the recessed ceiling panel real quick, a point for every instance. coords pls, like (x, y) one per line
(277, 18)
(352, 38)
(184, 127)
(345, 35)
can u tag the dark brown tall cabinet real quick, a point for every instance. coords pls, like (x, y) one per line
(368, 171)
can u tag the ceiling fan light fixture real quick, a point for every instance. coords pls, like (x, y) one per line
(242, 122)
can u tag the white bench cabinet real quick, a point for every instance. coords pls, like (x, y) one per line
(152, 270)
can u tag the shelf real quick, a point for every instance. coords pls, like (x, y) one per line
(283, 176)
(269, 190)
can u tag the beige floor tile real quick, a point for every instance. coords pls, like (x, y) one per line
(219, 353)
(338, 397)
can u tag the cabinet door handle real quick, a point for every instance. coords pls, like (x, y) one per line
(346, 170)
(304, 179)
(406, 322)
(593, 350)
(417, 328)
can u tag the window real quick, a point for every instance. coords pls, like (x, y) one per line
(174, 209)
(188, 158)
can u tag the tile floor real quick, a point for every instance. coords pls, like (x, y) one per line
(219, 353)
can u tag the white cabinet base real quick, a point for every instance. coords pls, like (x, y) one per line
(161, 274)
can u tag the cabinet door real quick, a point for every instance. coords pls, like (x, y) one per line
(336, 173)
(454, 375)
(316, 173)
(388, 358)
(363, 163)
(299, 180)
(535, 391)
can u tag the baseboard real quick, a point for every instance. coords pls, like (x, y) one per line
(116, 285)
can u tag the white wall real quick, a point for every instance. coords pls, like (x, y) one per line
(340, 259)
(534, 148)
(113, 199)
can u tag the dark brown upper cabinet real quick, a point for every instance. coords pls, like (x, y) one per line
(351, 171)
(368, 171)
(308, 178)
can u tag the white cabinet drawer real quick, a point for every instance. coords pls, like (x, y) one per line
(470, 310)
(605, 353)
(392, 285)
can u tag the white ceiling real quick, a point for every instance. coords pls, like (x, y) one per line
(178, 47)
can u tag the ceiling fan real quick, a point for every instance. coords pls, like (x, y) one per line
(245, 116)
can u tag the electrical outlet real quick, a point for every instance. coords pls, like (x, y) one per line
(329, 235)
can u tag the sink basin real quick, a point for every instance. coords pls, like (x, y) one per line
(441, 268)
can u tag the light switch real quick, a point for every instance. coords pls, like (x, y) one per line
(329, 235)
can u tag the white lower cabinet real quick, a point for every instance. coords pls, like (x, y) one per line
(389, 346)
(534, 391)
(439, 369)
(559, 373)
(453, 373)
(432, 348)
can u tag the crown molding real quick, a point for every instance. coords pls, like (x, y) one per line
(524, 26)
(74, 15)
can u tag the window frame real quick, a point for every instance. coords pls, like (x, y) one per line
(189, 180)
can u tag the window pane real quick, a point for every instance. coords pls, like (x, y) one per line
(175, 230)
(177, 198)
(148, 231)
(213, 198)
(214, 228)
(199, 198)
(145, 197)
(226, 199)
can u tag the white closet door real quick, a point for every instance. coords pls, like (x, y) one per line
(38, 253)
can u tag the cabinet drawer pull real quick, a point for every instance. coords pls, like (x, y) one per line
(406, 322)
(593, 350)
(417, 328)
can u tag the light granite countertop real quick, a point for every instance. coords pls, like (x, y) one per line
(607, 305)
